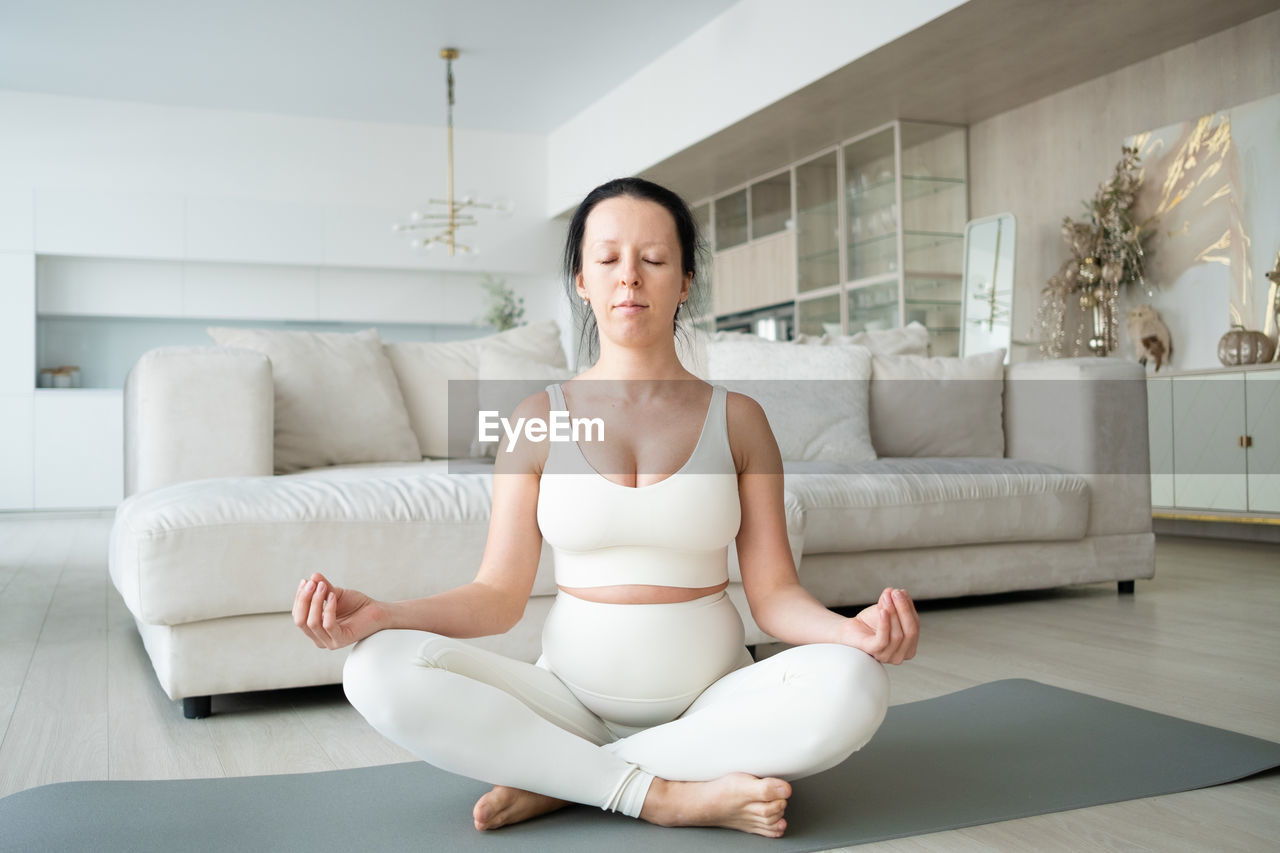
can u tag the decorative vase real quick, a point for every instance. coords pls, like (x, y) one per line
(1101, 304)
(1241, 346)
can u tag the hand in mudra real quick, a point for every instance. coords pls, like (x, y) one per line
(888, 630)
(331, 616)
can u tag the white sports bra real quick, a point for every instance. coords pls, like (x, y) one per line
(675, 532)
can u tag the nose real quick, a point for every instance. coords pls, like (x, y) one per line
(629, 274)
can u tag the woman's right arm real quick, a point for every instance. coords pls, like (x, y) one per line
(334, 617)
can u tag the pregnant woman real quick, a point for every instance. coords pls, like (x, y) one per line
(645, 700)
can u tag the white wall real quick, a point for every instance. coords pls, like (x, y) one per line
(202, 183)
(754, 53)
(125, 226)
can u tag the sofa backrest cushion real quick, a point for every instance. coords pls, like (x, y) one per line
(425, 368)
(912, 339)
(336, 397)
(505, 380)
(923, 406)
(814, 397)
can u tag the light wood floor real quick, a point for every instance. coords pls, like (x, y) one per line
(78, 699)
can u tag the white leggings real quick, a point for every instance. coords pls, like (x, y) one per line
(623, 693)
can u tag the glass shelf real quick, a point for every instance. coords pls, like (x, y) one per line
(819, 315)
(882, 193)
(873, 307)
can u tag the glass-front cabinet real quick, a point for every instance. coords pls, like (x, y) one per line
(819, 315)
(731, 220)
(771, 205)
(906, 204)
(871, 206)
(873, 307)
(817, 224)
(877, 225)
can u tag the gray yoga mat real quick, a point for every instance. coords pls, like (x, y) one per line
(994, 752)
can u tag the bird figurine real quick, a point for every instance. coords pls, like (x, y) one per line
(1150, 336)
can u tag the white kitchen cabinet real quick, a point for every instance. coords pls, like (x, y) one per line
(17, 322)
(78, 448)
(16, 437)
(249, 292)
(1209, 458)
(1160, 439)
(17, 220)
(1262, 426)
(1215, 441)
(254, 231)
(109, 224)
(108, 287)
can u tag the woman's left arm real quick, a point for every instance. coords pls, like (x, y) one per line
(888, 630)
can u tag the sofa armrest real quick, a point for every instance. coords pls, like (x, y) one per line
(197, 412)
(1087, 416)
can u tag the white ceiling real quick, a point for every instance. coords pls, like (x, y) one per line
(525, 65)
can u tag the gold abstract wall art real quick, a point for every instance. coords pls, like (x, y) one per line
(1214, 185)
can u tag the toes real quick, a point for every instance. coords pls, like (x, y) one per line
(778, 789)
(485, 814)
(770, 811)
(774, 829)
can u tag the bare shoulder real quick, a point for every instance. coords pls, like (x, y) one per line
(522, 456)
(751, 438)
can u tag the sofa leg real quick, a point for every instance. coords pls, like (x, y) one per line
(1125, 587)
(196, 707)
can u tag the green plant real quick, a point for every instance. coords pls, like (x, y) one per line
(504, 310)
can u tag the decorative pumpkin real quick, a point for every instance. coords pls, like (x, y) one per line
(1241, 346)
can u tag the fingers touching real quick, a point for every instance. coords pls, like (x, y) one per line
(898, 631)
(313, 611)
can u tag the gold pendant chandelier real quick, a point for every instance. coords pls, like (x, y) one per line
(442, 217)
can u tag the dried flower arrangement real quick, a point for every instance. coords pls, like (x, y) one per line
(1107, 253)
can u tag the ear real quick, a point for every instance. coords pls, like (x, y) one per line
(685, 286)
(577, 283)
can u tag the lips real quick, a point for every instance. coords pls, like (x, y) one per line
(630, 307)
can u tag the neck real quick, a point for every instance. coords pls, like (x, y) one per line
(657, 361)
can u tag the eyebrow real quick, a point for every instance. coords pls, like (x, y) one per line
(609, 241)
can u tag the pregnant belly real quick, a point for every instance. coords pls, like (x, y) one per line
(642, 664)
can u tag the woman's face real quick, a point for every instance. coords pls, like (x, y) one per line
(632, 268)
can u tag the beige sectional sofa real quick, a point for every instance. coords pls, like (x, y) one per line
(209, 545)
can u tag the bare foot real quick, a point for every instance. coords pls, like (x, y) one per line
(737, 801)
(504, 805)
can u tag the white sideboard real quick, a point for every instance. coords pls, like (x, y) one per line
(1215, 443)
(94, 279)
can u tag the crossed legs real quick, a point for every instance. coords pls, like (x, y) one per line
(517, 726)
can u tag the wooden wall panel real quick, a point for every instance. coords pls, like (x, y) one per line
(1040, 161)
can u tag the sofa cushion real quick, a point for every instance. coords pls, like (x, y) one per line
(207, 549)
(506, 379)
(911, 339)
(336, 397)
(815, 398)
(425, 368)
(929, 502)
(924, 406)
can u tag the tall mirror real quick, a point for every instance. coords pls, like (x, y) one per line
(986, 321)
